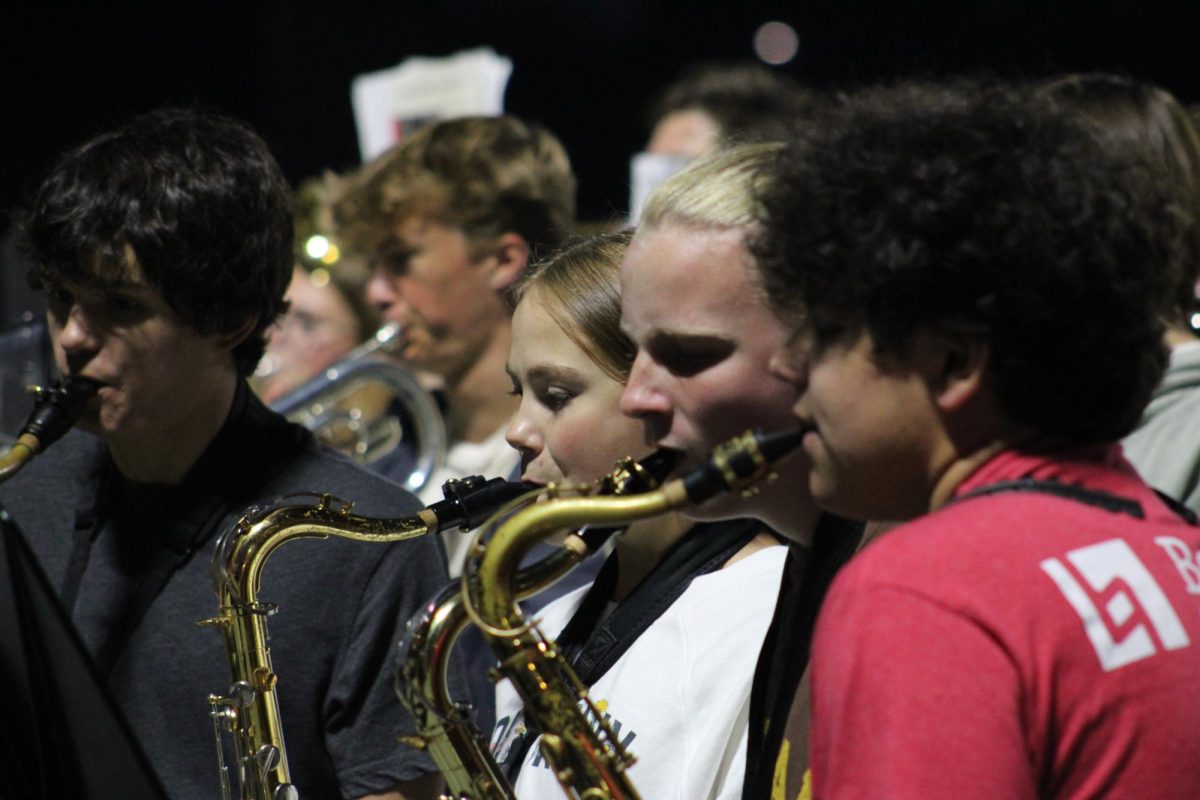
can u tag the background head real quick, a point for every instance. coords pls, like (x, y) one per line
(715, 103)
(986, 214)
(195, 198)
(1132, 116)
(569, 361)
(327, 312)
(484, 176)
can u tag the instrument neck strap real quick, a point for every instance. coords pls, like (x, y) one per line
(784, 656)
(592, 643)
(1081, 494)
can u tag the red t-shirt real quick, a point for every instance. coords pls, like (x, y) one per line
(1016, 645)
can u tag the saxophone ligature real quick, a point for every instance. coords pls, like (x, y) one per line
(56, 407)
(248, 712)
(445, 728)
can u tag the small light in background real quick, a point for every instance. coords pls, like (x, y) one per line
(316, 247)
(332, 254)
(319, 277)
(776, 43)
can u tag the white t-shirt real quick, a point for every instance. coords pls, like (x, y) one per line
(679, 697)
(491, 458)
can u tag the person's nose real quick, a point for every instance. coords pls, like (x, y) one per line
(524, 437)
(78, 335)
(789, 367)
(384, 294)
(643, 394)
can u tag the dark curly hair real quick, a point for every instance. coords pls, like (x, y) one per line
(979, 210)
(199, 201)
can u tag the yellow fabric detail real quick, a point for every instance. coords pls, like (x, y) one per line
(779, 780)
(806, 789)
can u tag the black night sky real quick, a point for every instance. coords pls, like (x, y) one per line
(584, 68)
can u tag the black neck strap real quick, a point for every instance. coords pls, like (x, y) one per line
(592, 646)
(785, 651)
(1067, 491)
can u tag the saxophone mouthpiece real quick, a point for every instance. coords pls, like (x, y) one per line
(56, 409)
(471, 500)
(657, 466)
(739, 462)
(775, 446)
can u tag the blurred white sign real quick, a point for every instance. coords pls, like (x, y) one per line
(392, 103)
(646, 172)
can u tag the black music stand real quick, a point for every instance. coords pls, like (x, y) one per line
(61, 733)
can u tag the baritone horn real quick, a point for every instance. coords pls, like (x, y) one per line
(367, 405)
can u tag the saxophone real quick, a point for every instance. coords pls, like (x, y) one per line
(54, 412)
(445, 727)
(578, 743)
(249, 711)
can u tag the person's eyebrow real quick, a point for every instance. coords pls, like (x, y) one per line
(121, 285)
(547, 372)
(660, 336)
(100, 283)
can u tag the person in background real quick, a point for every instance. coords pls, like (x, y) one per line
(328, 314)
(694, 305)
(319, 328)
(163, 248)
(1130, 115)
(448, 221)
(1033, 629)
(713, 104)
(667, 636)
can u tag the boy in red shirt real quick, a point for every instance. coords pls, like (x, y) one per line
(966, 270)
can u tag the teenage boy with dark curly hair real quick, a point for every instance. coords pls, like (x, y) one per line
(975, 331)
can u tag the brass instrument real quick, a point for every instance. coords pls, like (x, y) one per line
(54, 412)
(577, 742)
(350, 406)
(249, 710)
(444, 726)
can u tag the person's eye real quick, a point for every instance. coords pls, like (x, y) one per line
(123, 308)
(686, 361)
(515, 391)
(123, 303)
(555, 399)
(305, 322)
(58, 296)
(395, 262)
(822, 333)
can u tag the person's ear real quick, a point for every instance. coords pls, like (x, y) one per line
(510, 255)
(959, 369)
